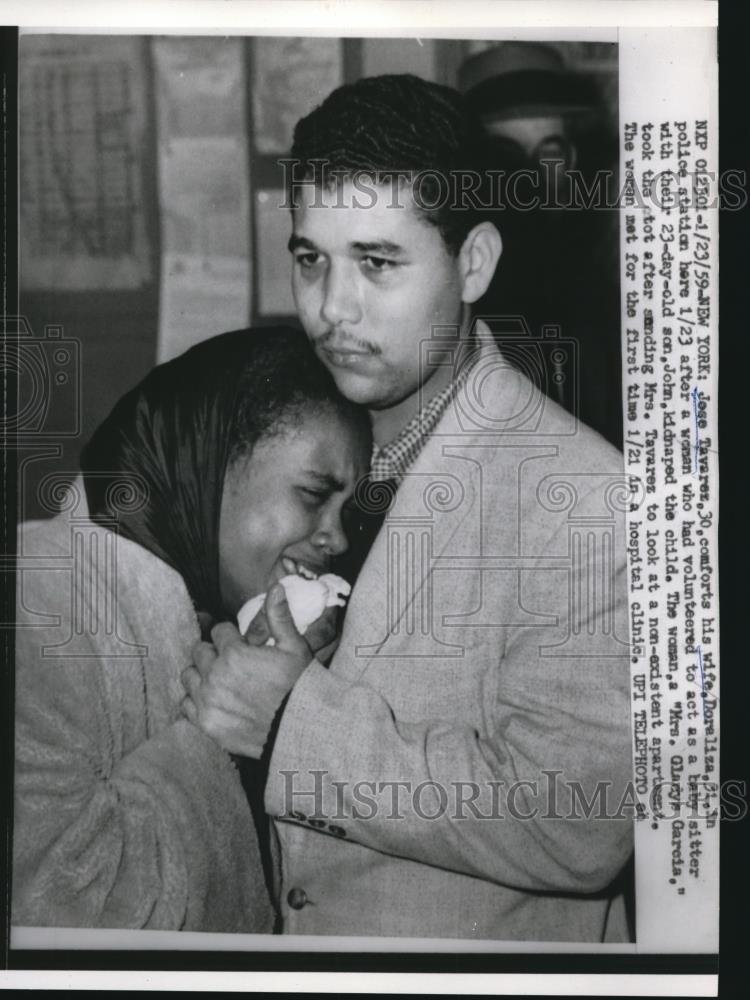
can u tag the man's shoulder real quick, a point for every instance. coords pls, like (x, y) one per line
(499, 403)
(577, 441)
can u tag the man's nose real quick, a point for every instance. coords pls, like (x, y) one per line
(340, 302)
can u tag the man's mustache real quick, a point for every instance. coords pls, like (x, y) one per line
(336, 341)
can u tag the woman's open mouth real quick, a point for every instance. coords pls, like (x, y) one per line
(298, 568)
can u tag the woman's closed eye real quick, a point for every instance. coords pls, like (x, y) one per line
(314, 495)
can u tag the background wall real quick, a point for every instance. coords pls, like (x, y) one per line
(150, 187)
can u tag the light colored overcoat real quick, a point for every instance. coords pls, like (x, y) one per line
(436, 780)
(126, 815)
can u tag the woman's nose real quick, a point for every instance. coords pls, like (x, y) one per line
(331, 537)
(340, 303)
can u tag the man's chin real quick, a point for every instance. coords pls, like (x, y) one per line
(357, 388)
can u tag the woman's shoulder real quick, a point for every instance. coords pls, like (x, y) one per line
(74, 535)
(87, 595)
(70, 550)
(45, 536)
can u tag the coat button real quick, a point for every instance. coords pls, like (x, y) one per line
(297, 898)
(337, 831)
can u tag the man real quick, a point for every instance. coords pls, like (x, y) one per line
(548, 120)
(440, 778)
(526, 95)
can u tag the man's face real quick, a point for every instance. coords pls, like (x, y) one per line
(536, 138)
(370, 283)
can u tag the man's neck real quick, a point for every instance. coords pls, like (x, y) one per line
(388, 424)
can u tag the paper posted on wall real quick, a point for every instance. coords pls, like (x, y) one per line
(203, 190)
(83, 122)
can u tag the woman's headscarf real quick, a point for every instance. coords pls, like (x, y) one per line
(157, 462)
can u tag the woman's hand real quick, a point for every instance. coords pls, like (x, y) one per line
(322, 636)
(237, 684)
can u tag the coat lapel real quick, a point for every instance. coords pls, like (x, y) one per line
(389, 609)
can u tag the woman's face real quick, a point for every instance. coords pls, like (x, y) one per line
(282, 506)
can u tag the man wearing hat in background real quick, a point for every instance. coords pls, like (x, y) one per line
(547, 120)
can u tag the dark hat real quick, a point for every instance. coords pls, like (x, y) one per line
(524, 80)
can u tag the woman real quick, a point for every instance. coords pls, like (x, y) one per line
(221, 471)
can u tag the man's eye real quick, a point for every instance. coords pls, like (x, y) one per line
(307, 260)
(378, 264)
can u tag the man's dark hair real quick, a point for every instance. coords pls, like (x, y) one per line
(383, 126)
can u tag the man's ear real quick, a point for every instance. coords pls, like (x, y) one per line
(478, 259)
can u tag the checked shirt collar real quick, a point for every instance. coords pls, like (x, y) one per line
(392, 460)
